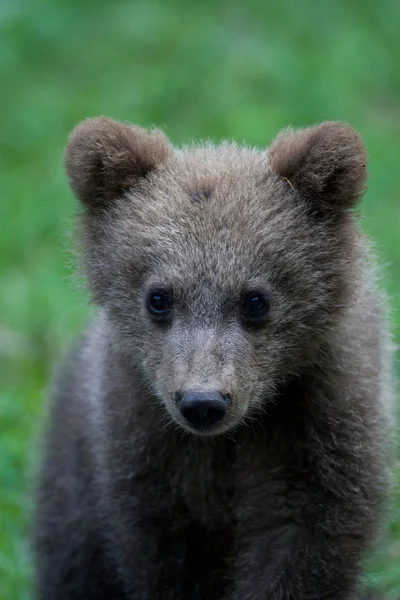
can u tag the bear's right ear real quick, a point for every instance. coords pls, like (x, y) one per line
(105, 158)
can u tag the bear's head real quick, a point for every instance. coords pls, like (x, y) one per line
(221, 270)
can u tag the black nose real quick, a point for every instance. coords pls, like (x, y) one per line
(203, 409)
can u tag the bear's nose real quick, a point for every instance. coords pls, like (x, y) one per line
(202, 409)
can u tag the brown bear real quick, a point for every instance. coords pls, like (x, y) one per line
(220, 430)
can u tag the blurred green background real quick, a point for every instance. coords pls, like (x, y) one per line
(212, 69)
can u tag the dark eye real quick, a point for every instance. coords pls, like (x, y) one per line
(159, 304)
(255, 307)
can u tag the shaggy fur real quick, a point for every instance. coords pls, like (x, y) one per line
(327, 164)
(105, 158)
(283, 500)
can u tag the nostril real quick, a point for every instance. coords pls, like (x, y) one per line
(178, 397)
(202, 410)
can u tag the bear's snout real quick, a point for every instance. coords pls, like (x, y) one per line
(202, 410)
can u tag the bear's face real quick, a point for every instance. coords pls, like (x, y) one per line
(221, 269)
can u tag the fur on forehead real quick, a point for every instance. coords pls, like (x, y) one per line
(105, 160)
(326, 164)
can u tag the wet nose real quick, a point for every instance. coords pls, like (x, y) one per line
(202, 409)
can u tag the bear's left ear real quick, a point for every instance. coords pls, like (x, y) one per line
(105, 158)
(326, 163)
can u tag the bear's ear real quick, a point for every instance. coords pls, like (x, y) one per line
(326, 163)
(105, 158)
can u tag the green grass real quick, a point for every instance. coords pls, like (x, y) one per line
(200, 69)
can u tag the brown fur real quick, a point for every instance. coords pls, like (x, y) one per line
(105, 158)
(327, 163)
(284, 497)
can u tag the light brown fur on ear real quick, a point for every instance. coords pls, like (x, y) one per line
(104, 158)
(327, 163)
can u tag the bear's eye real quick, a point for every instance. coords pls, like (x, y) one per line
(159, 304)
(255, 307)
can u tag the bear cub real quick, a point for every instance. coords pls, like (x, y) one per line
(220, 430)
